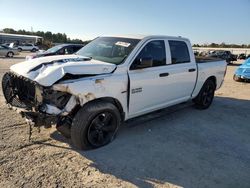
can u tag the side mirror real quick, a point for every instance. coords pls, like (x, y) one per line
(145, 62)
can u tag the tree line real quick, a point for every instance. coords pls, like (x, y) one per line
(48, 37)
(222, 45)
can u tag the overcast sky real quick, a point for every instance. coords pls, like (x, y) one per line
(202, 21)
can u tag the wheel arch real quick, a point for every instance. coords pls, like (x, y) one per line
(199, 99)
(199, 87)
(111, 100)
(213, 78)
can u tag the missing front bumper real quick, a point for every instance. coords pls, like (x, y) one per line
(37, 119)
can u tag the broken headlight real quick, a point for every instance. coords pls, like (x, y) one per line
(55, 98)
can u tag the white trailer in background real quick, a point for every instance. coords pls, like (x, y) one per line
(19, 39)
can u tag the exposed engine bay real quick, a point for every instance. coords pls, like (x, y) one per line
(41, 106)
(37, 88)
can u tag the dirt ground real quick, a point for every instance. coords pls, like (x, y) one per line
(175, 147)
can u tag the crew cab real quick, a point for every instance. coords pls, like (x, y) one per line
(108, 81)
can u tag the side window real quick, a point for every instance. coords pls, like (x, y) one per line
(179, 52)
(69, 50)
(152, 55)
(76, 48)
(61, 51)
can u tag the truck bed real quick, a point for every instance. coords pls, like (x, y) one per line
(201, 59)
(207, 67)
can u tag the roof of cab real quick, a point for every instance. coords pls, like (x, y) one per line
(138, 36)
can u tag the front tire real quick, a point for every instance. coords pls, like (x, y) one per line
(95, 125)
(237, 79)
(206, 95)
(10, 54)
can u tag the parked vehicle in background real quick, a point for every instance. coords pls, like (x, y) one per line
(63, 49)
(225, 55)
(196, 53)
(242, 73)
(27, 47)
(242, 56)
(203, 53)
(6, 44)
(7, 51)
(110, 80)
(233, 57)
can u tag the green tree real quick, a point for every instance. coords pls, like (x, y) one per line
(9, 30)
(48, 36)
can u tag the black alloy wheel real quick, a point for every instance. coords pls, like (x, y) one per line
(206, 95)
(102, 129)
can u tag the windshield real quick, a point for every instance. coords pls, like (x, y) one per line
(54, 49)
(109, 49)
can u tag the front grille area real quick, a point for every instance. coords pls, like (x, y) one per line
(18, 91)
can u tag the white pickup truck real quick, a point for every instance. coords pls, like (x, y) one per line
(110, 80)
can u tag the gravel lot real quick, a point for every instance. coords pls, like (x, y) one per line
(176, 147)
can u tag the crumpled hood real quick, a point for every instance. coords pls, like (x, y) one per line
(47, 70)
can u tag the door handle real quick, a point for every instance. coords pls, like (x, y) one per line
(191, 70)
(164, 74)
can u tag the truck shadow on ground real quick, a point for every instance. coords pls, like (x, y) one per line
(182, 146)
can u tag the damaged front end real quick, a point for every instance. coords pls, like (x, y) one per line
(41, 106)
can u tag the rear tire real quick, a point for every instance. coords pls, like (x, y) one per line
(20, 49)
(95, 125)
(205, 96)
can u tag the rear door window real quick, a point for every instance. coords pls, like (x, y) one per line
(179, 52)
(69, 50)
(76, 48)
